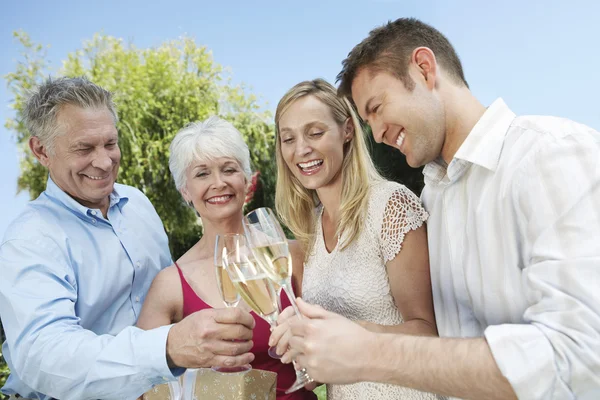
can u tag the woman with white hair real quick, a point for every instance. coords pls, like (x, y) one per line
(210, 163)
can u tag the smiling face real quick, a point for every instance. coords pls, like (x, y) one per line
(312, 142)
(86, 157)
(217, 188)
(412, 121)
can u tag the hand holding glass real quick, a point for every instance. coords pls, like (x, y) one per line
(250, 281)
(270, 247)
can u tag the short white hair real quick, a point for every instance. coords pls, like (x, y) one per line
(207, 141)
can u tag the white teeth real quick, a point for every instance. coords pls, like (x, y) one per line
(310, 164)
(96, 178)
(219, 199)
(400, 139)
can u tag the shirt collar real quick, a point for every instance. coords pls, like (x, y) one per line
(484, 143)
(482, 146)
(56, 193)
(435, 171)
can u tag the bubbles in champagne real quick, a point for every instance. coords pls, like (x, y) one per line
(275, 261)
(228, 293)
(259, 294)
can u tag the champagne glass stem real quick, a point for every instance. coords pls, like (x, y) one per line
(287, 287)
(302, 378)
(272, 352)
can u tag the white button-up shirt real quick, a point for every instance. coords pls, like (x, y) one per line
(514, 243)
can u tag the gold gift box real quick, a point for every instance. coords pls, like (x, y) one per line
(201, 384)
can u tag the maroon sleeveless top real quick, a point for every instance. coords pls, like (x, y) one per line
(285, 372)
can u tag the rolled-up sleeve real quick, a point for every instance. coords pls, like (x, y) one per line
(555, 354)
(50, 351)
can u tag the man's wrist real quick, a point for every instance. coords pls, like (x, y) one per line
(381, 356)
(373, 344)
(170, 362)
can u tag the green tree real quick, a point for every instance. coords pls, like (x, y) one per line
(392, 165)
(157, 91)
(4, 371)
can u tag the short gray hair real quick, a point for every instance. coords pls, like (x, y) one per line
(207, 141)
(47, 99)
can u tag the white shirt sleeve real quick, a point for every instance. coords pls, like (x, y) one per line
(555, 354)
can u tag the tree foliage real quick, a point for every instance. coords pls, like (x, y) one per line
(393, 166)
(157, 91)
(4, 371)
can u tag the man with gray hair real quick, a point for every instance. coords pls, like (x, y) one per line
(77, 262)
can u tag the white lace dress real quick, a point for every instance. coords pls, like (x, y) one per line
(354, 282)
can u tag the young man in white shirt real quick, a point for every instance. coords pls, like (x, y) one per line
(514, 225)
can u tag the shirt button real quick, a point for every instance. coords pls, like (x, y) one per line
(137, 299)
(93, 212)
(138, 264)
(165, 378)
(94, 220)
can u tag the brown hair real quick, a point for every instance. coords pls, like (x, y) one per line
(389, 48)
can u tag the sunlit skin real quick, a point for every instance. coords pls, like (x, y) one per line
(86, 157)
(217, 189)
(312, 143)
(432, 120)
(312, 147)
(428, 122)
(410, 121)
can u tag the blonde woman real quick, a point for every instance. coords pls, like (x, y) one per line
(364, 237)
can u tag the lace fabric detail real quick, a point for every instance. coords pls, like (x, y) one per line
(354, 282)
(403, 213)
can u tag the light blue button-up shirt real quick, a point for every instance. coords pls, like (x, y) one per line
(72, 284)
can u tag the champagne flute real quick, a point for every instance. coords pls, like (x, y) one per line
(229, 294)
(250, 281)
(270, 247)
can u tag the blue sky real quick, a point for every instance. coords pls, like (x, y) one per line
(542, 57)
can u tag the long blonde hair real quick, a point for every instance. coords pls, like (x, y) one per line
(294, 203)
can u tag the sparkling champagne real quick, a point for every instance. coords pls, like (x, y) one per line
(275, 261)
(228, 293)
(259, 294)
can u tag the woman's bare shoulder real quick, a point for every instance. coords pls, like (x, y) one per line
(166, 286)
